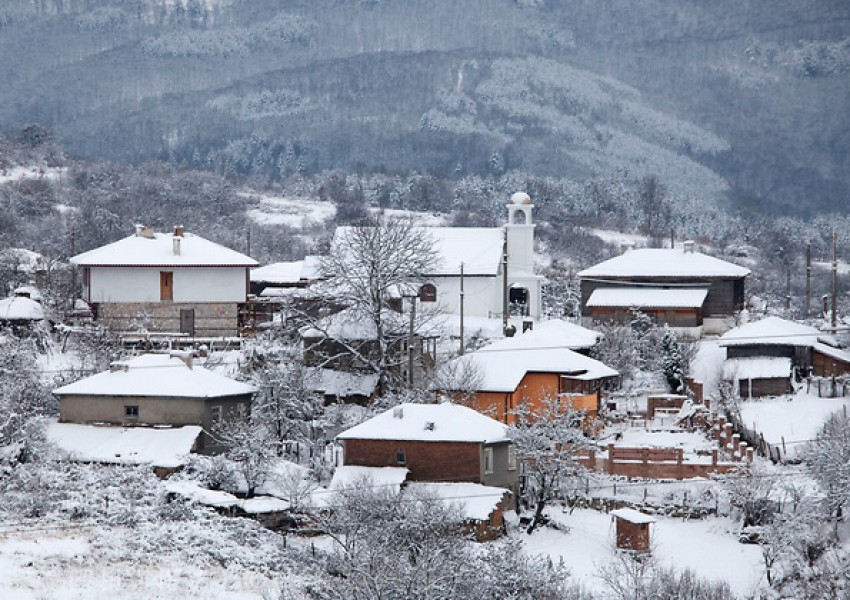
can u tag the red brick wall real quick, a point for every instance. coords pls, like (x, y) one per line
(632, 536)
(826, 366)
(427, 461)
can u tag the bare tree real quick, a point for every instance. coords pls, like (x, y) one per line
(549, 441)
(828, 459)
(369, 270)
(249, 444)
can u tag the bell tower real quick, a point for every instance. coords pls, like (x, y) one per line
(520, 233)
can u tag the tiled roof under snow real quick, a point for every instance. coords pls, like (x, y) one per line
(288, 272)
(773, 330)
(664, 262)
(156, 375)
(476, 501)
(137, 251)
(445, 422)
(19, 308)
(647, 298)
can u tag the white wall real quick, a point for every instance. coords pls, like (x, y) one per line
(191, 284)
(482, 295)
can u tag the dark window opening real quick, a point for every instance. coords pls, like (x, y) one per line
(401, 457)
(131, 412)
(428, 293)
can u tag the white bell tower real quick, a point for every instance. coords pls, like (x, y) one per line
(520, 232)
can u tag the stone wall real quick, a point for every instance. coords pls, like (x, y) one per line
(211, 319)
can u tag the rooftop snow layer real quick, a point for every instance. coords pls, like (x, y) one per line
(664, 262)
(478, 248)
(118, 445)
(548, 335)
(632, 516)
(19, 308)
(476, 501)
(444, 422)
(342, 383)
(647, 298)
(773, 330)
(288, 272)
(137, 250)
(156, 375)
(503, 370)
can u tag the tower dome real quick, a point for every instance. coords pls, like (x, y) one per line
(520, 198)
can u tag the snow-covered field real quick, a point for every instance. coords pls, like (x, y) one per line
(708, 547)
(796, 418)
(30, 172)
(298, 213)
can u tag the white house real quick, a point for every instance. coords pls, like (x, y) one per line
(174, 283)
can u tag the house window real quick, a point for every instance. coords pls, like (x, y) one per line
(401, 457)
(488, 460)
(131, 413)
(166, 285)
(511, 458)
(428, 293)
(241, 410)
(215, 414)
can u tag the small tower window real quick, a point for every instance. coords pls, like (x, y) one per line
(428, 293)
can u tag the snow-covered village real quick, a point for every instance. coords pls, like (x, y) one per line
(380, 300)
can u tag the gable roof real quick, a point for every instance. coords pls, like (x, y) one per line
(504, 370)
(478, 248)
(773, 331)
(20, 308)
(288, 272)
(156, 375)
(664, 262)
(647, 298)
(445, 422)
(158, 251)
(554, 333)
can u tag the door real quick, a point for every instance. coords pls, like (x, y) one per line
(166, 285)
(187, 321)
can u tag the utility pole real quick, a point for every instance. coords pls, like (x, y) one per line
(505, 284)
(672, 239)
(410, 341)
(248, 242)
(788, 290)
(461, 309)
(808, 280)
(834, 320)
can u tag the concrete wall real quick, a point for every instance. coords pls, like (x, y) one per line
(191, 284)
(153, 411)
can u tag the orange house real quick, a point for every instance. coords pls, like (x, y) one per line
(498, 381)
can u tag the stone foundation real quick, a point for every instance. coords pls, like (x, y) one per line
(211, 319)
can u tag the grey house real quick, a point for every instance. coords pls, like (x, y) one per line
(156, 390)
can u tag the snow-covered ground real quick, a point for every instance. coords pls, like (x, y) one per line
(293, 212)
(708, 547)
(31, 172)
(796, 418)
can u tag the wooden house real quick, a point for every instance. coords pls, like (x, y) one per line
(670, 272)
(156, 390)
(176, 283)
(764, 356)
(527, 370)
(435, 442)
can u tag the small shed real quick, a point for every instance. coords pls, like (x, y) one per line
(632, 529)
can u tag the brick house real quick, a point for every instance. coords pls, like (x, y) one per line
(528, 369)
(435, 442)
(168, 283)
(155, 390)
(670, 271)
(632, 530)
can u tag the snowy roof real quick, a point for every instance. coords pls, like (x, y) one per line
(156, 375)
(120, 445)
(647, 298)
(503, 370)
(342, 383)
(478, 248)
(288, 272)
(548, 335)
(19, 308)
(139, 251)
(773, 330)
(350, 324)
(351, 475)
(757, 368)
(633, 516)
(664, 262)
(444, 422)
(476, 501)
